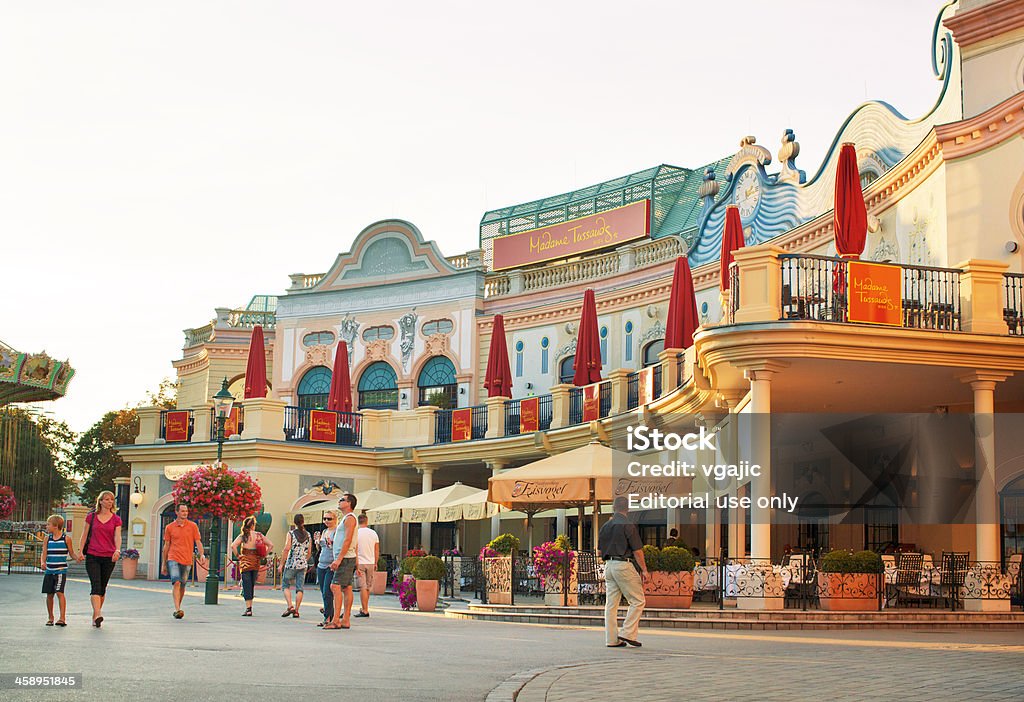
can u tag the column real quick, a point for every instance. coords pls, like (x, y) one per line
(561, 522)
(122, 491)
(149, 425)
(495, 417)
(496, 467)
(428, 484)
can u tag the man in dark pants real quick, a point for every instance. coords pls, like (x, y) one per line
(624, 574)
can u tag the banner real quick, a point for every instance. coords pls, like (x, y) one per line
(231, 424)
(462, 424)
(529, 415)
(323, 426)
(176, 426)
(645, 386)
(875, 293)
(592, 402)
(572, 238)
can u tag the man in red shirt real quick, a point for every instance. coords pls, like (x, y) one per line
(181, 538)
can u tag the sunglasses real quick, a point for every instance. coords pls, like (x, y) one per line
(328, 519)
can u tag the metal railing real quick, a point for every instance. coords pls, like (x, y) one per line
(443, 426)
(512, 423)
(163, 425)
(633, 387)
(348, 427)
(1013, 310)
(576, 403)
(734, 290)
(213, 423)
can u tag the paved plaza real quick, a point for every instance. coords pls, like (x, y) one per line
(142, 653)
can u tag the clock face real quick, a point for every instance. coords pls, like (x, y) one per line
(748, 192)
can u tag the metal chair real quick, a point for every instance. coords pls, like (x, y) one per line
(907, 585)
(951, 576)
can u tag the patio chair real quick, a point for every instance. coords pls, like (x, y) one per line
(590, 578)
(951, 576)
(907, 585)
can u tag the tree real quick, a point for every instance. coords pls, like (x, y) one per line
(166, 395)
(35, 460)
(95, 457)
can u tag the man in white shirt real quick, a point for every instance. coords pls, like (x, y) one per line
(369, 554)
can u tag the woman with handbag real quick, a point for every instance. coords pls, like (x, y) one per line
(254, 547)
(101, 546)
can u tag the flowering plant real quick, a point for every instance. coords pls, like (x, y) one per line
(488, 552)
(131, 553)
(551, 558)
(407, 593)
(451, 552)
(7, 501)
(220, 492)
(414, 552)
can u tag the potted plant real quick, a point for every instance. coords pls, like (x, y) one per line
(554, 560)
(671, 581)
(412, 557)
(380, 577)
(850, 581)
(428, 573)
(497, 557)
(129, 564)
(441, 400)
(406, 590)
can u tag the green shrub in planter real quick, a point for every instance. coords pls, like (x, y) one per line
(673, 559)
(409, 564)
(429, 568)
(505, 544)
(382, 564)
(846, 562)
(868, 562)
(652, 557)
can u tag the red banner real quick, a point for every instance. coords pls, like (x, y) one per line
(598, 231)
(323, 426)
(462, 424)
(591, 402)
(176, 426)
(645, 386)
(231, 423)
(875, 293)
(529, 415)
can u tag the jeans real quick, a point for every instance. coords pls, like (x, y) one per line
(99, 570)
(325, 576)
(249, 584)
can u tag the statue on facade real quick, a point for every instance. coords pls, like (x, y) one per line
(407, 325)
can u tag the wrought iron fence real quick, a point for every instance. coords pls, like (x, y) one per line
(298, 427)
(163, 425)
(931, 298)
(633, 387)
(443, 424)
(21, 557)
(1013, 285)
(512, 415)
(576, 403)
(213, 422)
(734, 290)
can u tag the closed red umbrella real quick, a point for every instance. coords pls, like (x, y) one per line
(498, 380)
(732, 240)
(256, 366)
(682, 308)
(340, 397)
(849, 214)
(587, 364)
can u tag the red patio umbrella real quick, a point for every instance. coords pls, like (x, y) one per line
(498, 380)
(340, 397)
(732, 240)
(849, 214)
(682, 308)
(587, 364)
(256, 366)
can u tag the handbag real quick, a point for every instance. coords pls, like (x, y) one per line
(261, 546)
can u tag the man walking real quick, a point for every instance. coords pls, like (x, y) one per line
(369, 553)
(624, 573)
(344, 563)
(181, 538)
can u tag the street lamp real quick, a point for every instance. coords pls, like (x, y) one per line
(222, 402)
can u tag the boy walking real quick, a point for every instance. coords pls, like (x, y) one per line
(54, 562)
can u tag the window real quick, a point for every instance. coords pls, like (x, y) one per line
(629, 342)
(438, 326)
(375, 333)
(544, 343)
(565, 370)
(867, 178)
(320, 338)
(519, 359)
(314, 388)
(651, 352)
(378, 387)
(438, 376)
(604, 345)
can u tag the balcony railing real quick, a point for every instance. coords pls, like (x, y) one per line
(176, 434)
(815, 288)
(443, 426)
(1013, 285)
(512, 416)
(633, 387)
(346, 427)
(227, 429)
(576, 403)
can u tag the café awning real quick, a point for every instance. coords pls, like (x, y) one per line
(419, 508)
(471, 507)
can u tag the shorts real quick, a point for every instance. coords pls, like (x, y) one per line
(364, 575)
(178, 572)
(344, 574)
(54, 582)
(293, 577)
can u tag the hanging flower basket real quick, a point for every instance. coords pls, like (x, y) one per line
(7, 502)
(219, 492)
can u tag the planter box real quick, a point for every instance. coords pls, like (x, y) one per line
(848, 592)
(498, 576)
(380, 583)
(669, 590)
(426, 595)
(553, 589)
(129, 568)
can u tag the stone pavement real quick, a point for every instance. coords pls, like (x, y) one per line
(142, 653)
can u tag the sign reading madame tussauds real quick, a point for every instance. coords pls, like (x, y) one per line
(875, 293)
(599, 231)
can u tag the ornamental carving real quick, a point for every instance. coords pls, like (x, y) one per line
(377, 350)
(318, 356)
(347, 331)
(407, 323)
(568, 350)
(655, 332)
(438, 344)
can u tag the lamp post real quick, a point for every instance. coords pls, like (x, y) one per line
(222, 402)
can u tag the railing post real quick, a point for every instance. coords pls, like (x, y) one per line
(264, 419)
(619, 379)
(149, 425)
(495, 417)
(512, 580)
(560, 405)
(670, 362)
(981, 297)
(760, 283)
(203, 426)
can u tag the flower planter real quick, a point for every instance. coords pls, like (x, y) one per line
(380, 583)
(848, 592)
(553, 589)
(129, 568)
(261, 577)
(498, 575)
(426, 595)
(669, 590)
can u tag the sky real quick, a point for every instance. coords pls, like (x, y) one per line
(158, 160)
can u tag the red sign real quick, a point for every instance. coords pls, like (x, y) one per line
(462, 424)
(231, 423)
(592, 402)
(529, 415)
(176, 426)
(645, 386)
(875, 293)
(323, 426)
(598, 231)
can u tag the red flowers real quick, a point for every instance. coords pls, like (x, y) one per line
(220, 492)
(7, 501)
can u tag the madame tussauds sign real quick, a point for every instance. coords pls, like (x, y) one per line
(598, 231)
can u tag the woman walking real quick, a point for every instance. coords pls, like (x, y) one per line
(250, 542)
(101, 544)
(324, 574)
(295, 564)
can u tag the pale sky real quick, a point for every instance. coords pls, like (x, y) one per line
(158, 160)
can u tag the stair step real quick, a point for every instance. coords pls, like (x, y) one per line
(772, 615)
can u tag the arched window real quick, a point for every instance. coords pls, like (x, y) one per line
(565, 370)
(320, 338)
(519, 358)
(629, 342)
(604, 345)
(378, 387)
(314, 388)
(437, 326)
(651, 352)
(1011, 522)
(544, 343)
(384, 332)
(438, 376)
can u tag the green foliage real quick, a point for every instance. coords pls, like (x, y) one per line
(165, 397)
(429, 568)
(35, 461)
(846, 562)
(562, 543)
(504, 544)
(676, 560)
(382, 564)
(441, 400)
(868, 562)
(652, 558)
(95, 457)
(409, 564)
